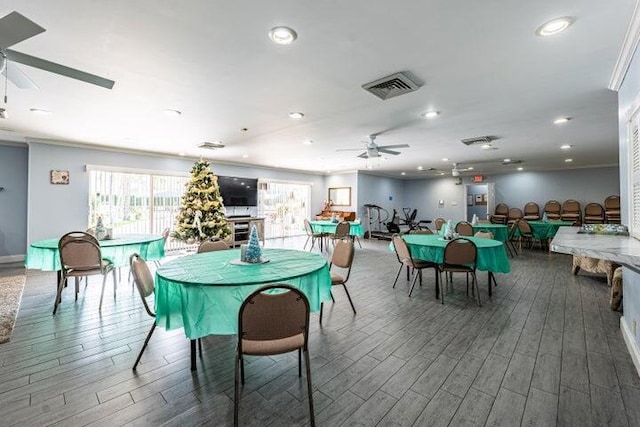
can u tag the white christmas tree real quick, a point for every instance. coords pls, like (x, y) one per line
(254, 252)
(202, 215)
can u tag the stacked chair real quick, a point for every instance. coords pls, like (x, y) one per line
(500, 214)
(552, 208)
(531, 211)
(514, 215)
(612, 209)
(571, 211)
(593, 213)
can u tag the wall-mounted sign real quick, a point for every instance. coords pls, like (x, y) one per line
(478, 178)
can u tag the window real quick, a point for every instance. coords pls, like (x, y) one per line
(634, 171)
(284, 205)
(135, 203)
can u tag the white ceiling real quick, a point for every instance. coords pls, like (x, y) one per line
(483, 67)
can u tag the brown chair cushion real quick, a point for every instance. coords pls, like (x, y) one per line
(269, 347)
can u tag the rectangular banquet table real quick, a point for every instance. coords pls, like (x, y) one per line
(330, 227)
(43, 254)
(202, 293)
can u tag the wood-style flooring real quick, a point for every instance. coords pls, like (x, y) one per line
(544, 350)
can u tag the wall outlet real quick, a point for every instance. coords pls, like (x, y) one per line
(634, 327)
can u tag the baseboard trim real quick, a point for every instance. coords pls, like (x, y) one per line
(11, 258)
(632, 346)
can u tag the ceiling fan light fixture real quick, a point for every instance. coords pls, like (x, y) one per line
(554, 26)
(431, 114)
(561, 120)
(282, 35)
(486, 146)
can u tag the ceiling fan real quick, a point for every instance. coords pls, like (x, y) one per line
(456, 169)
(15, 28)
(373, 150)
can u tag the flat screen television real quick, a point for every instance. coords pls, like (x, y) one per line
(236, 191)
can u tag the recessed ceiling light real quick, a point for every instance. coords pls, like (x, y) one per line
(554, 26)
(431, 114)
(506, 160)
(470, 168)
(441, 173)
(282, 35)
(276, 165)
(561, 120)
(520, 168)
(328, 171)
(567, 146)
(181, 154)
(369, 166)
(568, 160)
(445, 159)
(172, 113)
(403, 173)
(486, 146)
(296, 115)
(245, 156)
(420, 168)
(308, 142)
(39, 111)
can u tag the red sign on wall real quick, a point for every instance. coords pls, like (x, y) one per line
(478, 178)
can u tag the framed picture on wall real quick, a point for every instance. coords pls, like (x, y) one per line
(59, 177)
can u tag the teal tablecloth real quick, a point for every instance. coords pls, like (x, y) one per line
(330, 227)
(202, 293)
(43, 254)
(546, 230)
(500, 231)
(492, 255)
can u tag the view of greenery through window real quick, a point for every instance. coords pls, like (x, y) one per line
(284, 206)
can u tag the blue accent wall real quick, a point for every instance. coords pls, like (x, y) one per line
(13, 199)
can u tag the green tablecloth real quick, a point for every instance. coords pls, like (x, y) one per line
(330, 227)
(43, 254)
(500, 231)
(202, 293)
(546, 230)
(492, 255)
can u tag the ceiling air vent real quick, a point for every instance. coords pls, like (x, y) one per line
(211, 145)
(478, 140)
(394, 85)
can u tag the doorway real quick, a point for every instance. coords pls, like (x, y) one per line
(479, 200)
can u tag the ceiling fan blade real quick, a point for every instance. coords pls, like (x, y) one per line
(384, 150)
(394, 146)
(52, 67)
(364, 155)
(15, 28)
(18, 77)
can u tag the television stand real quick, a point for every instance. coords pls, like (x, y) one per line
(241, 226)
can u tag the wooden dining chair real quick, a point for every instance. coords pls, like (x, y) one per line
(342, 259)
(342, 232)
(463, 228)
(273, 320)
(80, 256)
(439, 222)
(312, 236)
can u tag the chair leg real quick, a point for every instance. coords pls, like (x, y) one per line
(300, 362)
(309, 388)
(349, 297)
(192, 344)
(146, 341)
(475, 284)
(200, 347)
(59, 293)
(104, 282)
(413, 282)
(242, 369)
(356, 238)
(306, 242)
(332, 298)
(77, 287)
(397, 275)
(236, 392)
(115, 284)
(439, 291)
(321, 306)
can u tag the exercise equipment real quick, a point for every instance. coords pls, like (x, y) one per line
(377, 218)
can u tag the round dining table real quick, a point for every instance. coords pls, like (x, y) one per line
(545, 230)
(43, 254)
(500, 231)
(202, 293)
(355, 228)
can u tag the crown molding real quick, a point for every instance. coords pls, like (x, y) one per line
(629, 46)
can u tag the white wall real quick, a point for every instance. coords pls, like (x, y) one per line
(13, 201)
(424, 195)
(343, 180)
(57, 209)
(382, 191)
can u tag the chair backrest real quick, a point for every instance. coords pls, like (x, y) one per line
(524, 227)
(342, 230)
(571, 206)
(515, 213)
(501, 209)
(420, 231)
(402, 250)
(211, 246)
(463, 228)
(165, 234)
(552, 206)
(343, 255)
(79, 251)
(531, 208)
(612, 203)
(594, 209)
(273, 316)
(307, 227)
(484, 234)
(461, 251)
(143, 279)
(514, 226)
(439, 222)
